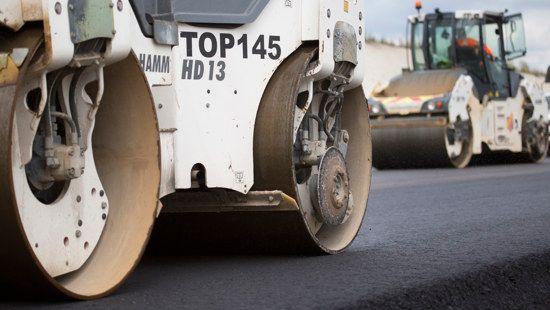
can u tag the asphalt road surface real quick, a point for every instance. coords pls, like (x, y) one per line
(472, 238)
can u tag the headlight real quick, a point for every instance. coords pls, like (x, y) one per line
(440, 104)
(376, 108)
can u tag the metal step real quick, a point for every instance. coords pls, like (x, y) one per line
(220, 200)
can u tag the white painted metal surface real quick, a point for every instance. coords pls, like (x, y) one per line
(62, 234)
(507, 123)
(497, 123)
(535, 91)
(60, 52)
(218, 76)
(59, 46)
(11, 14)
(462, 96)
(546, 89)
(351, 12)
(219, 105)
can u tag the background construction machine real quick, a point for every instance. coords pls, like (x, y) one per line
(546, 87)
(461, 97)
(242, 124)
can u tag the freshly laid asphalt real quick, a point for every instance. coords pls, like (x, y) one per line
(472, 238)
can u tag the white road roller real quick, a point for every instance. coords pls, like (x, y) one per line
(461, 97)
(241, 122)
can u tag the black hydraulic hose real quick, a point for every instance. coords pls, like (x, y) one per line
(322, 124)
(316, 118)
(72, 102)
(52, 93)
(331, 106)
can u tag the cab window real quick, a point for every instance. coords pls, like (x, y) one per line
(496, 65)
(440, 43)
(492, 40)
(467, 46)
(419, 61)
(514, 37)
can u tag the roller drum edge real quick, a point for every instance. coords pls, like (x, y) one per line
(398, 148)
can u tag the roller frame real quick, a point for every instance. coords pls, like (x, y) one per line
(187, 107)
(188, 135)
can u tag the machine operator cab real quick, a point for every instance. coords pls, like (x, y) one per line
(480, 42)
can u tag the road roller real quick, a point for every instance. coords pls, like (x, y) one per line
(230, 125)
(460, 96)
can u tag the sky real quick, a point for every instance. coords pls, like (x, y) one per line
(387, 18)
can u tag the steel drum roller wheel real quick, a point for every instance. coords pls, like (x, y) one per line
(423, 147)
(105, 216)
(274, 163)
